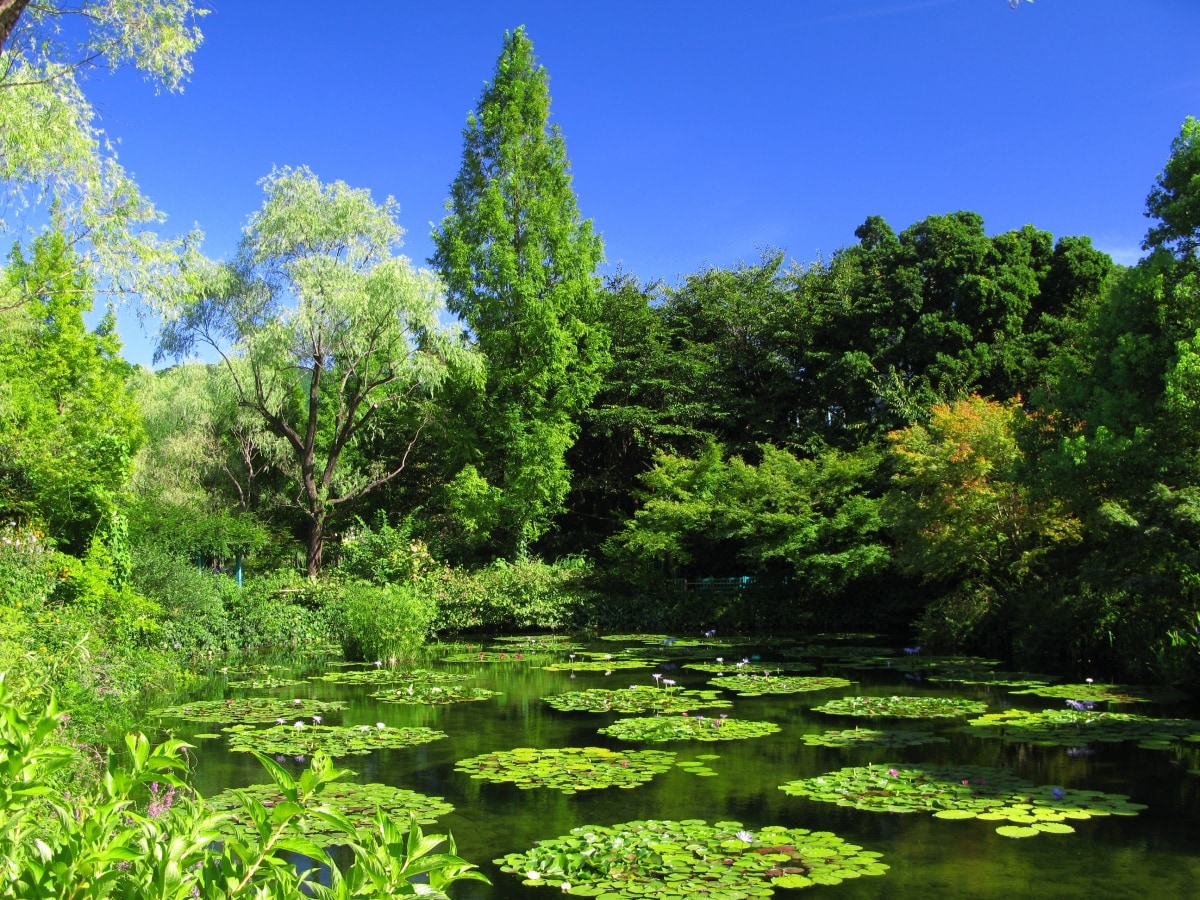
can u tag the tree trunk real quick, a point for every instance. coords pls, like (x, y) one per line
(316, 547)
(10, 12)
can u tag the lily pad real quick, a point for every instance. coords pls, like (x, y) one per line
(599, 665)
(907, 707)
(568, 769)
(1075, 728)
(341, 740)
(358, 802)
(500, 656)
(427, 694)
(637, 698)
(1085, 693)
(389, 675)
(866, 737)
(663, 858)
(745, 667)
(751, 685)
(959, 792)
(684, 728)
(264, 684)
(248, 709)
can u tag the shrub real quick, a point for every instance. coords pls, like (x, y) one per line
(521, 596)
(382, 621)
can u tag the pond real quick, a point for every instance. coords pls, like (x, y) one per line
(1097, 798)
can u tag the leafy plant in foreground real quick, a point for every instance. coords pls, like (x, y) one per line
(144, 834)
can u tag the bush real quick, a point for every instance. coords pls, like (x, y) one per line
(194, 616)
(388, 621)
(522, 596)
(276, 610)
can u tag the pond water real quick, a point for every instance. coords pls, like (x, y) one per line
(1152, 854)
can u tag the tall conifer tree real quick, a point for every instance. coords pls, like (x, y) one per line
(519, 264)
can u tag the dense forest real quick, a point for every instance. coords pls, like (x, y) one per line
(979, 442)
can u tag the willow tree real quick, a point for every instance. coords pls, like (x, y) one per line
(321, 325)
(519, 264)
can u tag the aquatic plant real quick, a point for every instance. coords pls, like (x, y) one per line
(500, 656)
(637, 698)
(568, 769)
(248, 709)
(1085, 693)
(684, 728)
(416, 692)
(1073, 728)
(908, 707)
(767, 683)
(264, 684)
(963, 792)
(387, 675)
(332, 740)
(745, 667)
(689, 858)
(599, 665)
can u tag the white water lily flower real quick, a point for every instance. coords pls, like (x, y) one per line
(380, 726)
(299, 724)
(533, 875)
(745, 836)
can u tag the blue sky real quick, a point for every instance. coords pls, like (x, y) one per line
(700, 133)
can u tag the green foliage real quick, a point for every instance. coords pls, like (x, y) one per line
(276, 610)
(527, 595)
(378, 622)
(1175, 200)
(302, 739)
(384, 554)
(68, 425)
(519, 262)
(910, 707)
(687, 728)
(321, 323)
(143, 833)
(568, 769)
(54, 155)
(807, 519)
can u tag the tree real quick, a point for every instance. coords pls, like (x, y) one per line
(69, 426)
(1175, 200)
(519, 264)
(321, 325)
(52, 152)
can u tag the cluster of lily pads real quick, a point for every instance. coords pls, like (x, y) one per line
(752, 685)
(387, 675)
(907, 707)
(426, 694)
(1085, 693)
(299, 739)
(1073, 727)
(637, 698)
(598, 665)
(537, 657)
(568, 769)
(265, 683)
(248, 709)
(689, 858)
(683, 728)
(963, 792)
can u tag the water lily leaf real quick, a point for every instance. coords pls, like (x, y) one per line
(248, 709)
(866, 737)
(915, 707)
(955, 814)
(1017, 831)
(1077, 728)
(568, 769)
(1054, 828)
(637, 698)
(432, 694)
(678, 859)
(682, 728)
(339, 740)
(752, 685)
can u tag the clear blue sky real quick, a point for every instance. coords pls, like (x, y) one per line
(699, 132)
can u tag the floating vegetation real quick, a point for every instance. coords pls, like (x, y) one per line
(986, 677)
(911, 707)
(568, 769)
(637, 698)
(699, 765)
(1085, 693)
(357, 802)
(1073, 728)
(963, 792)
(248, 709)
(300, 739)
(599, 665)
(916, 662)
(265, 684)
(689, 858)
(541, 643)
(416, 692)
(499, 656)
(385, 675)
(866, 737)
(687, 728)
(745, 667)
(757, 685)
